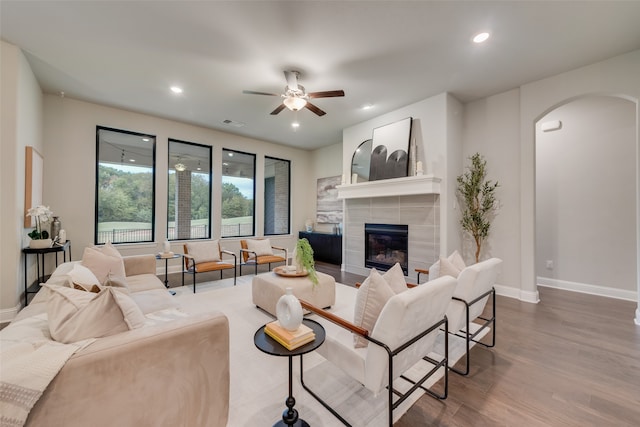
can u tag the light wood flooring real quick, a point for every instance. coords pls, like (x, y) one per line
(571, 360)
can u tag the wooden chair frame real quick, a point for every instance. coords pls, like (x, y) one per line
(391, 353)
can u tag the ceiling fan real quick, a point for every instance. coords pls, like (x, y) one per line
(295, 96)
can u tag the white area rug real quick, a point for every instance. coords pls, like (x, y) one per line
(259, 382)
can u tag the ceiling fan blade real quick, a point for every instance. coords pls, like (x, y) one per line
(277, 110)
(253, 92)
(292, 79)
(315, 109)
(326, 94)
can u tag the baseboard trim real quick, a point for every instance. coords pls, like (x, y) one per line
(519, 294)
(8, 314)
(588, 289)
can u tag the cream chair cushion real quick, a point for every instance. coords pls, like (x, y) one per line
(260, 246)
(208, 251)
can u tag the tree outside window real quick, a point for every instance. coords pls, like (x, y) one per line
(125, 186)
(238, 190)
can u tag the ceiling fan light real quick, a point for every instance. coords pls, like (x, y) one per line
(180, 167)
(294, 103)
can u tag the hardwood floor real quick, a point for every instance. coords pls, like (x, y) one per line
(571, 360)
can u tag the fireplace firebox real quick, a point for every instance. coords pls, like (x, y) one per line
(385, 245)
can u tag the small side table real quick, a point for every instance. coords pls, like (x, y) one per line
(166, 267)
(39, 253)
(270, 346)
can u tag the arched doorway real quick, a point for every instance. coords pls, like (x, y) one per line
(586, 197)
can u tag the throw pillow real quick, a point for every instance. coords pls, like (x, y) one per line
(447, 268)
(82, 276)
(203, 251)
(102, 261)
(395, 278)
(260, 246)
(75, 315)
(455, 259)
(372, 296)
(117, 282)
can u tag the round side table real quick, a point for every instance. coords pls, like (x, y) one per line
(270, 346)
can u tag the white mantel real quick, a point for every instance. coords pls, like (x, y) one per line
(404, 186)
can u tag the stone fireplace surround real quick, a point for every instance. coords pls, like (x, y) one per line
(414, 201)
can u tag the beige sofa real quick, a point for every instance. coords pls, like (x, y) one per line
(173, 373)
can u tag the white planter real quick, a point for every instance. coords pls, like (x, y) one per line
(40, 243)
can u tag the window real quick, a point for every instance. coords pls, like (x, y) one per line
(238, 189)
(189, 191)
(125, 186)
(276, 196)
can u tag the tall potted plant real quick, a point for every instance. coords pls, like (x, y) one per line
(477, 200)
(304, 259)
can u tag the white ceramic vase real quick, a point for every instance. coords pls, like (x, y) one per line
(289, 311)
(40, 243)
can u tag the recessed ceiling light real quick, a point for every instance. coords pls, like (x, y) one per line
(295, 125)
(225, 164)
(132, 160)
(230, 154)
(481, 37)
(176, 89)
(145, 139)
(367, 106)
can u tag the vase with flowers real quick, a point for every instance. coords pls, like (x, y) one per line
(39, 237)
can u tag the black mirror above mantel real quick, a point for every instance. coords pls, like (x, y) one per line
(403, 186)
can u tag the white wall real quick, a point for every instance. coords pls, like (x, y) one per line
(69, 133)
(505, 124)
(325, 162)
(491, 128)
(585, 197)
(21, 122)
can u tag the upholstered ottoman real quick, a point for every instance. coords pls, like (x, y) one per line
(267, 288)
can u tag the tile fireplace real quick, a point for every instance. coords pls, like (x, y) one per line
(385, 245)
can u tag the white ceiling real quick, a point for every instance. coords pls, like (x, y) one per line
(127, 54)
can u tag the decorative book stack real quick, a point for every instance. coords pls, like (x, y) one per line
(290, 339)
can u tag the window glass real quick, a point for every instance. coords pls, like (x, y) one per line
(238, 189)
(125, 186)
(276, 196)
(189, 191)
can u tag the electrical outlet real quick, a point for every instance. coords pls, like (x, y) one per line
(549, 264)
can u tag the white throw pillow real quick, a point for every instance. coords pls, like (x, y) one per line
(82, 276)
(395, 278)
(76, 315)
(455, 259)
(208, 251)
(261, 247)
(448, 269)
(372, 296)
(103, 261)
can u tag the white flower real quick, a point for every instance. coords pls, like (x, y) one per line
(41, 213)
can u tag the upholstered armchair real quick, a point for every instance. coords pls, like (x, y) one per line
(403, 334)
(255, 252)
(205, 256)
(465, 313)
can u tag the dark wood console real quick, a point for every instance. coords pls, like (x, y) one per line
(326, 247)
